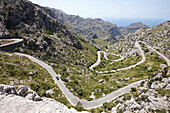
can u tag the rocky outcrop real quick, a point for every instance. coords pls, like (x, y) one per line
(151, 96)
(17, 104)
(20, 91)
(25, 100)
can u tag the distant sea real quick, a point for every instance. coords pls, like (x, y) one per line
(121, 22)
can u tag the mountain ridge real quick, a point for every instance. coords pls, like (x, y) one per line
(131, 28)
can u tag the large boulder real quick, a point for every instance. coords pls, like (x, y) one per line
(36, 97)
(22, 91)
(7, 89)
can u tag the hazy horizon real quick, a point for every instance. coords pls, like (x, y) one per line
(122, 22)
(149, 12)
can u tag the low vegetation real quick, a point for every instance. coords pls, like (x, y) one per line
(82, 82)
(112, 57)
(107, 65)
(15, 70)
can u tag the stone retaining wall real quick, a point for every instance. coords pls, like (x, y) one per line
(11, 46)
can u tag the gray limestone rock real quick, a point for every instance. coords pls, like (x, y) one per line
(27, 101)
(17, 104)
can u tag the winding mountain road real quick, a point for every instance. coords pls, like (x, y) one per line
(94, 103)
(164, 57)
(105, 56)
(72, 98)
(126, 68)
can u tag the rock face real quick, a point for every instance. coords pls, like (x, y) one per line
(17, 104)
(23, 16)
(24, 100)
(152, 96)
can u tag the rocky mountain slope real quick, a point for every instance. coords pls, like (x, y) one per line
(44, 36)
(132, 28)
(153, 95)
(91, 29)
(156, 36)
(25, 17)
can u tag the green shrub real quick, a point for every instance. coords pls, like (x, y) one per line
(98, 94)
(160, 111)
(62, 100)
(161, 91)
(107, 106)
(79, 107)
(120, 111)
(144, 90)
(146, 50)
(1, 72)
(89, 99)
(59, 35)
(34, 87)
(127, 97)
(49, 32)
(12, 73)
(133, 89)
(118, 86)
(144, 97)
(138, 99)
(150, 83)
(142, 83)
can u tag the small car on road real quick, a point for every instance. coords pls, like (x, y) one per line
(57, 78)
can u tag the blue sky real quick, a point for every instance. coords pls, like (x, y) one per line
(149, 9)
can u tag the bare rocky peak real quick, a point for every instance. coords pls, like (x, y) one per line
(136, 25)
(132, 28)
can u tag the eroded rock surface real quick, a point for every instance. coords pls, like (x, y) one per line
(149, 98)
(25, 100)
(17, 104)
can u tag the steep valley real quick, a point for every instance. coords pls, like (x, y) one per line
(58, 51)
